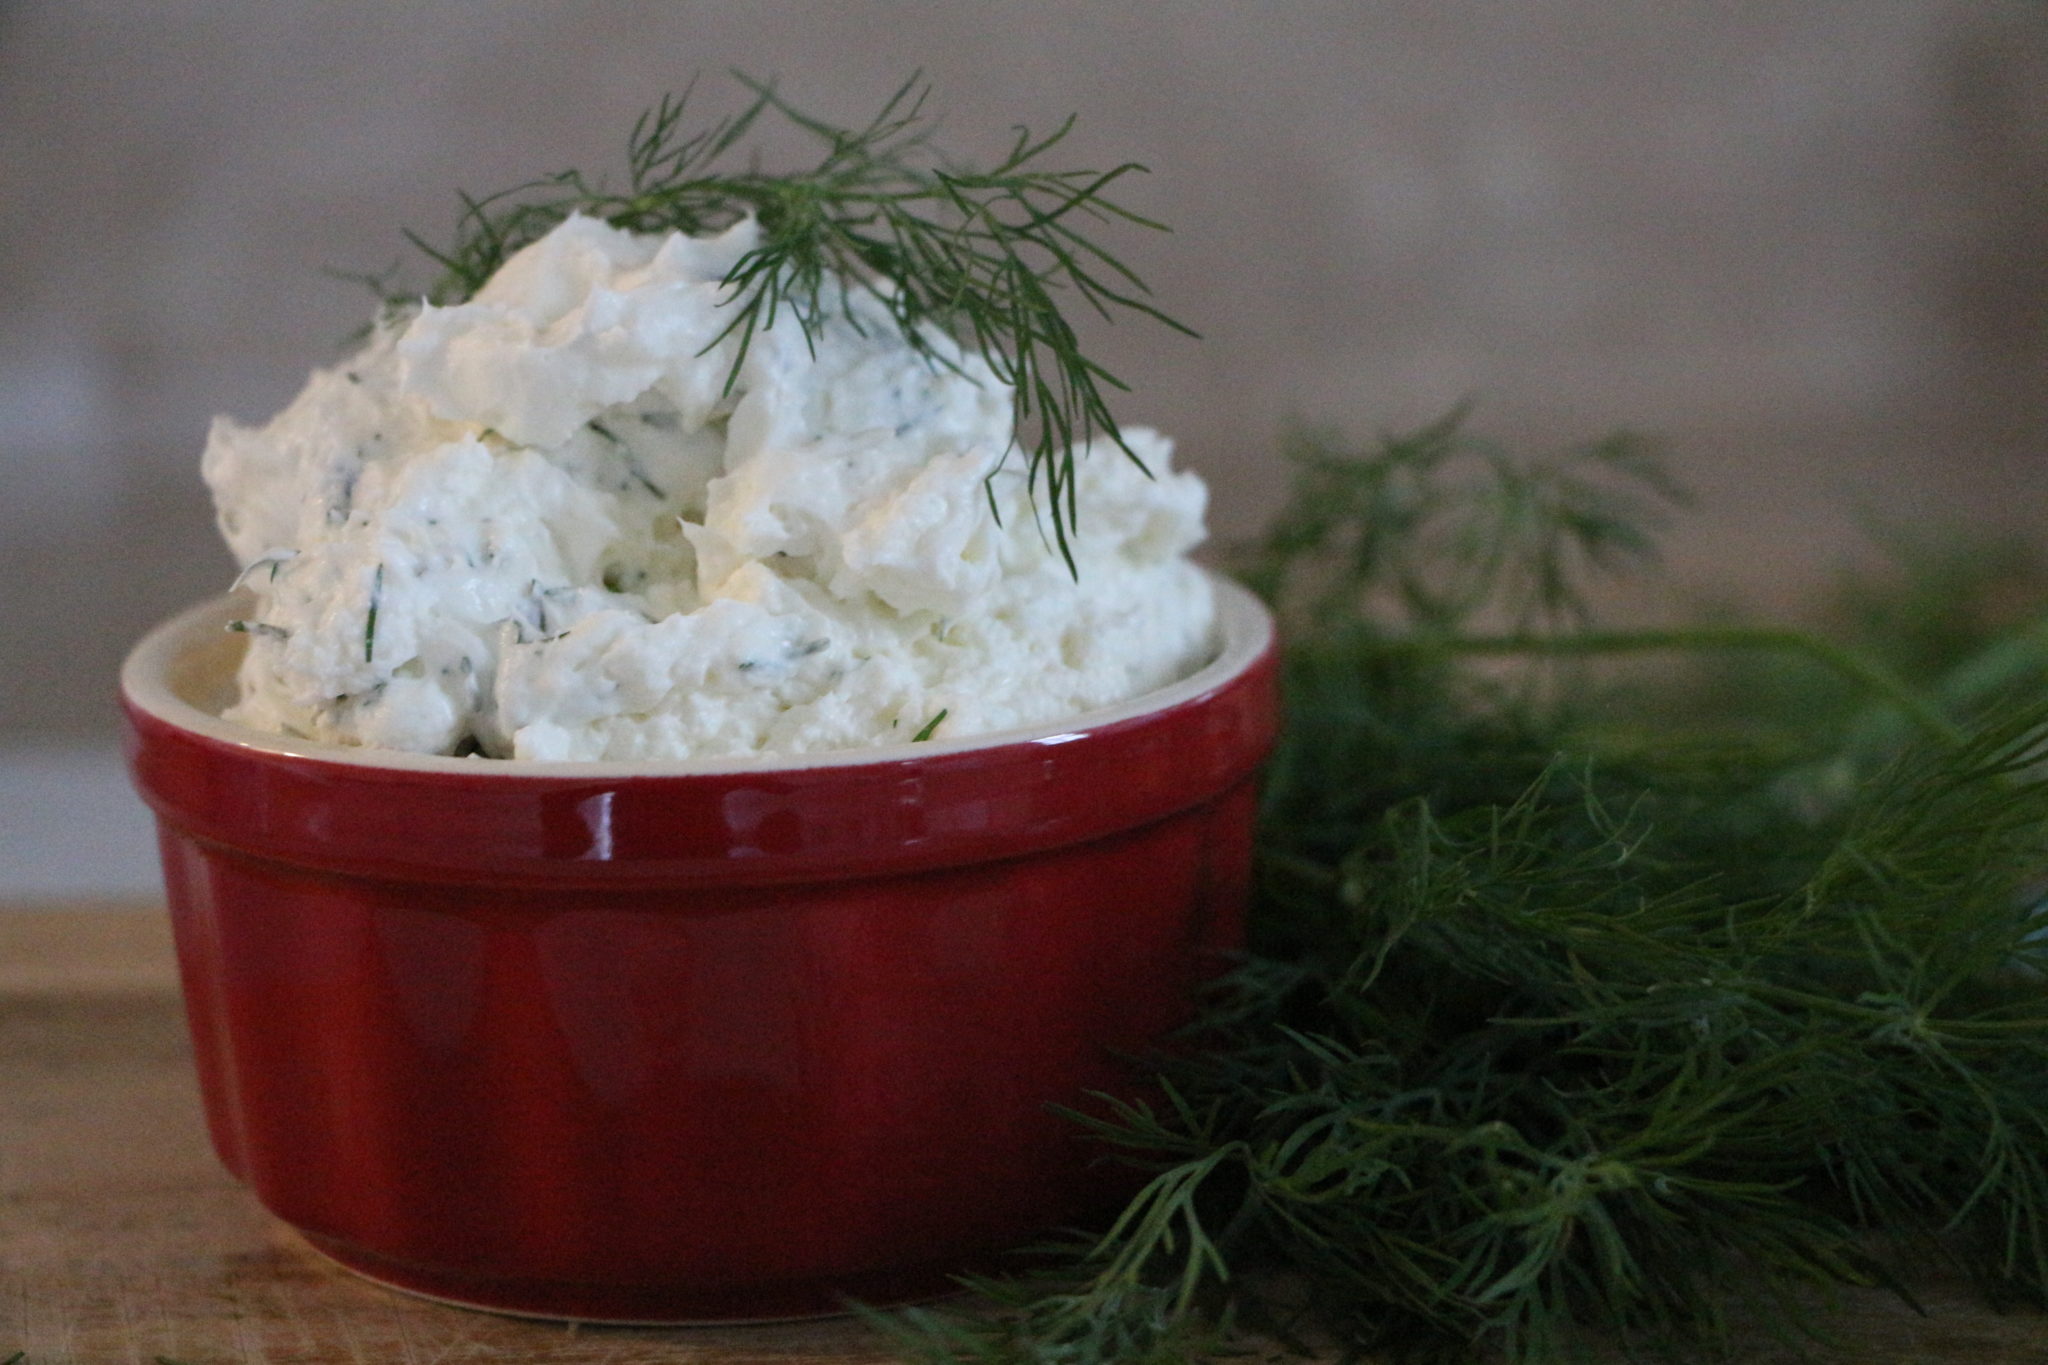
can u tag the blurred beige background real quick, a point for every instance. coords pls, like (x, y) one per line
(1806, 243)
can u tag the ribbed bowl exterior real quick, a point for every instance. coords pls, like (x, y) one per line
(673, 1046)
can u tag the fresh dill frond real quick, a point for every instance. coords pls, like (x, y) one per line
(984, 256)
(1566, 1027)
(1436, 530)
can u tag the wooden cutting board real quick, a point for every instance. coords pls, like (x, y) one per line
(121, 1240)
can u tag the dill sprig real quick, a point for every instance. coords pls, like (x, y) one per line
(984, 256)
(1577, 1014)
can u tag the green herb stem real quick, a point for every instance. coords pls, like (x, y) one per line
(370, 616)
(1856, 668)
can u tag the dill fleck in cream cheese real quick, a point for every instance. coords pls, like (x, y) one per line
(539, 524)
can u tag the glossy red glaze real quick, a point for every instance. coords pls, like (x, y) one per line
(670, 1042)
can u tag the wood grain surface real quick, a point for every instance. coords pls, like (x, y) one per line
(121, 1240)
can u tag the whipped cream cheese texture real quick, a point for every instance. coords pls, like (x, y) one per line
(538, 525)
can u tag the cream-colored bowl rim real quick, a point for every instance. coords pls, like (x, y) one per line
(192, 655)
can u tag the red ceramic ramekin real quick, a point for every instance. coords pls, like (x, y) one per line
(695, 1040)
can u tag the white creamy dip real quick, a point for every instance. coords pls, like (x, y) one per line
(538, 525)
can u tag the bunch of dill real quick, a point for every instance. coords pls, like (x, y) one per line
(1581, 1005)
